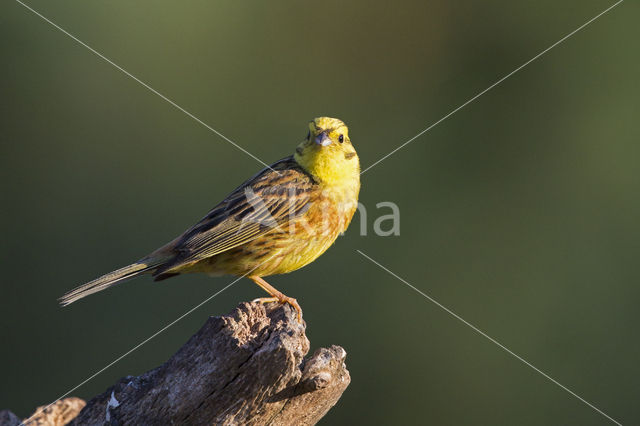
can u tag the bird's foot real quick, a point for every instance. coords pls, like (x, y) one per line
(281, 298)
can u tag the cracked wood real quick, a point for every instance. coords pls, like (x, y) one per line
(247, 367)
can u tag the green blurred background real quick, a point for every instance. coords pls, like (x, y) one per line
(520, 212)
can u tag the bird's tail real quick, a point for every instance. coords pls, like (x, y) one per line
(107, 280)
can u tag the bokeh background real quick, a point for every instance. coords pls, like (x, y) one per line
(520, 212)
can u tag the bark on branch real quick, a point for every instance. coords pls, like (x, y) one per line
(247, 367)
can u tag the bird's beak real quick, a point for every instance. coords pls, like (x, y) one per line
(323, 140)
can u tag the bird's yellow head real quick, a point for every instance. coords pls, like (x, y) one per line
(327, 153)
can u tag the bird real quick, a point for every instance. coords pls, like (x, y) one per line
(279, 220)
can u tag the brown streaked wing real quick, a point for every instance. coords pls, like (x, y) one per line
(279, 195)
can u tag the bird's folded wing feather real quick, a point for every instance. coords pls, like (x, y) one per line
(262, 204)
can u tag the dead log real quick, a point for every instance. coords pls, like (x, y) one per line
(247, 367)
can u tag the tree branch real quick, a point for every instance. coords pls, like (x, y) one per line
(247, 367)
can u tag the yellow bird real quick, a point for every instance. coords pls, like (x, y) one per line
(278, 221)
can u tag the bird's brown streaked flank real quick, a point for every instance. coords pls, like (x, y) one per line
(278, 221)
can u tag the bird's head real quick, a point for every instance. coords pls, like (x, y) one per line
(327, 153)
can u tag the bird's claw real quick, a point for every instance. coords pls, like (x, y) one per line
(281, 298)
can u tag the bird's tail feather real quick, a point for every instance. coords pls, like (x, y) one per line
(106, 281)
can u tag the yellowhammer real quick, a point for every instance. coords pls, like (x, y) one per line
(279, 220)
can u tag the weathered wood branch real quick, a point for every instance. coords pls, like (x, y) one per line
(247, 367)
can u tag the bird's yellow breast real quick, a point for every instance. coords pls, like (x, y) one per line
(325, 220)
(293, 245)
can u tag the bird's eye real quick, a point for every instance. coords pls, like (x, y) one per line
(341, 138)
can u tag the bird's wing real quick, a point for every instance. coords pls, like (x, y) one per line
(267, 201)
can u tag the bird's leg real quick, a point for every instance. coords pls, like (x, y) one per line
(276, 296)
